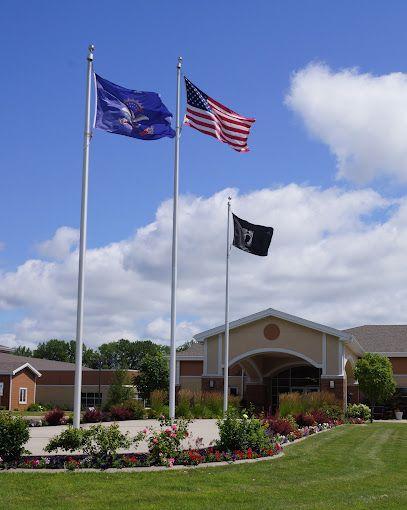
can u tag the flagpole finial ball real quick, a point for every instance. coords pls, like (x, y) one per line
(91, 48)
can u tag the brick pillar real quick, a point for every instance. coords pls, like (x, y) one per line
(217, 384)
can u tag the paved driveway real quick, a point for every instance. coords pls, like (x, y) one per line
(207, 430)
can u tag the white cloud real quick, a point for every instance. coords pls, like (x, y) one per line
(329, 262)
(159, 329)
(361, 117)
(64, 240)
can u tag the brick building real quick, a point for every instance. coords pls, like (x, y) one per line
(25, 380)
(272, 352)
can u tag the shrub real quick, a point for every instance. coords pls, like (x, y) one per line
(164, 445)
(358, 411)
(334, 412)
(237, 433)
(98, 443)
(282, 426)
(320, 417)
(136, 407)
(13, 436)
(121, 413)
(158, 401)
(304, 420)
(55, 416)
(92, 416)
(36, 407)
(69, 440)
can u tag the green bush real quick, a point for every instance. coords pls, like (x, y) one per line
(36, 407)
(236, 433)
(136, 407)
(335, 412)
(358, 411)
(164, 444)
(98, 442)
(13, 436)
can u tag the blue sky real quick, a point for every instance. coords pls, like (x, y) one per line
(243, 54)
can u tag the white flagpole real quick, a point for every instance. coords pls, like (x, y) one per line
(82, 246)
(175, 248)
(226, 353)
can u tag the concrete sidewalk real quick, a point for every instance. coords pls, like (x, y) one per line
(207, 430)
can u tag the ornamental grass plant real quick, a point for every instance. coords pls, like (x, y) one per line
(293, 404)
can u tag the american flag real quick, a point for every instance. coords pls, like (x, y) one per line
(214, 119)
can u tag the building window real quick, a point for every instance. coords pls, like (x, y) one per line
(22, 399)
(91, 399)
(1, 389)
(301, 379)
(234, 391)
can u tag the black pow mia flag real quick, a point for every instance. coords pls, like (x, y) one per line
(252, 238)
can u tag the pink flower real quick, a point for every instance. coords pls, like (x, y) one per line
(155, 440)
(174, 427)
(171, 462)
(145, 431)
(173, 435)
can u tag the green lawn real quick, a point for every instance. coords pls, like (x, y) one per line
(352, 467)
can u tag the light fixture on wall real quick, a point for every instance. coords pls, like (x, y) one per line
(332, 384)
(211, 383)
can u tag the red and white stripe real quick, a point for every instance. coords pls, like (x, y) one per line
(222, 123)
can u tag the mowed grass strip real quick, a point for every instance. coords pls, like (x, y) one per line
(351, 467)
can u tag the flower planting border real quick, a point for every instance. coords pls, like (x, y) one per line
(166, 468)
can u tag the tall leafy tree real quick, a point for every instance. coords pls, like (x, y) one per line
(64, 350)
(121, 389)
(127, 354)
(154, 374)
(21, 350)
(54, 349)
(374, 373)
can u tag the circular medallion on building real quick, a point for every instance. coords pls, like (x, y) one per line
(271, 331)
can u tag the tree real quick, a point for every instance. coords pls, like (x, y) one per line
(56, 350)
(154, 374)
(127, 354)
(63, 350)
(21, 350)
(374, 373)
(120, 390)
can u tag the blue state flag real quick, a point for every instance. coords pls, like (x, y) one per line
(131, 112)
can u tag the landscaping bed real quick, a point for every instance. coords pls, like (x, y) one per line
(243, 435)
(190, 457)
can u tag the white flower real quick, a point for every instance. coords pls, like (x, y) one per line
(245, 416)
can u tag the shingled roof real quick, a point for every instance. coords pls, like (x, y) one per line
(10, 362)
(381, 338)
(195, 349)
